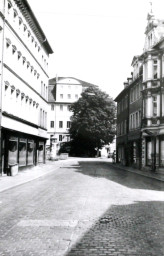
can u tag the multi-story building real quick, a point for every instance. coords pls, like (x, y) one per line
(122, 125)
(153, 95)
(145, 136)
(24, 53)
(62, 92)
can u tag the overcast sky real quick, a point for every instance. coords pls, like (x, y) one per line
(95, 40)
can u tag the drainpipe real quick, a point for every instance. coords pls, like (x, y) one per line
(1, 79)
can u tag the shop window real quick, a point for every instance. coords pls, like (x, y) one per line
(41, 152)
(60, 124)
(12, 150)
(149, 152)
(162, 153)
(30, 152)
(22, 152)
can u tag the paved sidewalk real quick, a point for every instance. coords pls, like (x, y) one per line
(32, 173)
(159, 175)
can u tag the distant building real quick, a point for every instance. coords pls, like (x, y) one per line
(62, 92)
(140, 106)
(24, 53)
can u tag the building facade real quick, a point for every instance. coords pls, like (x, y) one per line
(62, 92)
(24, 77)
(146, 101)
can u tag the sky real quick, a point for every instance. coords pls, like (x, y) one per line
(95, 40)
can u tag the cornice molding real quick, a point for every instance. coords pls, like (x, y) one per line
(6, 66)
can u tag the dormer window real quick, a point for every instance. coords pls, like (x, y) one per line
(32, 39)
(35, 72)
(38, 48)
(38, 75)
(32, 68)
(35, 44)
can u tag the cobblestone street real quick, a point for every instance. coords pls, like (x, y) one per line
(86, 207)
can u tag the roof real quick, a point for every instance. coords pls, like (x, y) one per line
(59, 80)
(25, 8)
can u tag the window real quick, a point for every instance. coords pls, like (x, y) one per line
(14, 49)
(8, 42)
(52, 124)
(24, 28)
(68, 124)
(28, 64)
(15, 13)
(24, 60)
(154, 106)
(76, 96)
(60, 137)
(20, 21)
(68, 107)
(69, 96)
(60, 124)
(61, 107)
(52, 107)
(19, 55)
(32, 39)
(61, 96)
(29, 33)
(9, 6)
(155, 65)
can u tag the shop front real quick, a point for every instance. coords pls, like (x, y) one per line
(22, 150)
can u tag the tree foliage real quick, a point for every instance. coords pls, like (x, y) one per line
(93, 121)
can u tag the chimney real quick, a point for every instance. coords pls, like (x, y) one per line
(129, 80)
(56, 78)
(125, 84)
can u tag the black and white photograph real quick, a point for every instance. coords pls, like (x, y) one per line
(81, 128)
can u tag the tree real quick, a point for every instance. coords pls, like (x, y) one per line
(93, 121)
